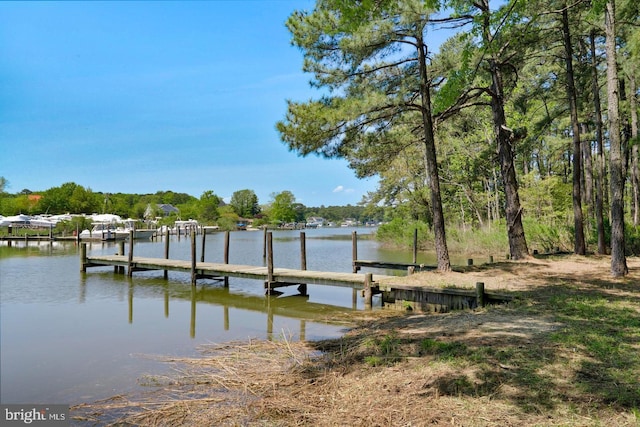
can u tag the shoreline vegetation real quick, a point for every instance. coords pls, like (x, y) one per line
(565, 352)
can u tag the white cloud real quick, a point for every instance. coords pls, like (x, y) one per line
(341, 189)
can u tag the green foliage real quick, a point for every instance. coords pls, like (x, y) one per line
(245, 203)
(386, 350)
(446, 351)
(399, 233)
(546, 198)
(546, 237)
(282, 207)
(632, 240)
(69, 197)
(208, 206)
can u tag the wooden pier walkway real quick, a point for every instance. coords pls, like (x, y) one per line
(281, 276)
(392, 288)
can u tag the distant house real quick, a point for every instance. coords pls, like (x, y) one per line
(163, 208)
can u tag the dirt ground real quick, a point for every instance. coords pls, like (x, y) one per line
(504, 370)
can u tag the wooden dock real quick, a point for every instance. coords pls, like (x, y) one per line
(281, 276)
(394, 291)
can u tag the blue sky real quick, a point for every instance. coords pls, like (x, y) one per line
(138, 97)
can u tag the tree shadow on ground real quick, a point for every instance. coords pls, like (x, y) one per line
(561, 344)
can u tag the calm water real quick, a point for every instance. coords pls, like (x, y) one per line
(70, 337)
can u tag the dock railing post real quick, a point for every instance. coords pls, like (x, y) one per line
(354, 250)
(226, 255)
(130, 260)
(269, 261)
(193, 259)
(83, 257)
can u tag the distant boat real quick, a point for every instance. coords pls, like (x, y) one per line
(103, 231)
(22, 220)
(138, 233)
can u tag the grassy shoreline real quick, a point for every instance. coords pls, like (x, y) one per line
(567, 352)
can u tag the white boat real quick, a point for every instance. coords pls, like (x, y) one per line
(103, 231)
(138, 233)
(26, 221)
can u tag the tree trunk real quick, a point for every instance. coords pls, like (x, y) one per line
(600, 161)
(616, 166)
(579, 243)
(635, 173)
(587, 159)
(515, 230)
(442, 253)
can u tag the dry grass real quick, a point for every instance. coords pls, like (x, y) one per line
(524, 364)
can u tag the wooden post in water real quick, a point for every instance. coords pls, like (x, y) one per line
(368, 292)
(303, 250)
(119, 269)
(269, 261)
(226, 247)
(302, 288)
(264, 242)
(415, 245)
(480, 294)
(166, 251)
(204, 237)
(130, 269)
(226, 256)
(354, 250)
(193, 259)
(83, 257)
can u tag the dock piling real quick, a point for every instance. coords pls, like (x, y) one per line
(367, 291)
(83, 257)
(354, 251)
(193, 259)
(269, 261)
(480, 294)
(204, 238)
(166, 251)
(302, 288)
(226, 256)
(119, 269)
(303, 250)
(130, 261)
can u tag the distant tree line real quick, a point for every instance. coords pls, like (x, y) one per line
(209, 208)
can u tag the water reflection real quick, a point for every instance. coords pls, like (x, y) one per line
(292, 307)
